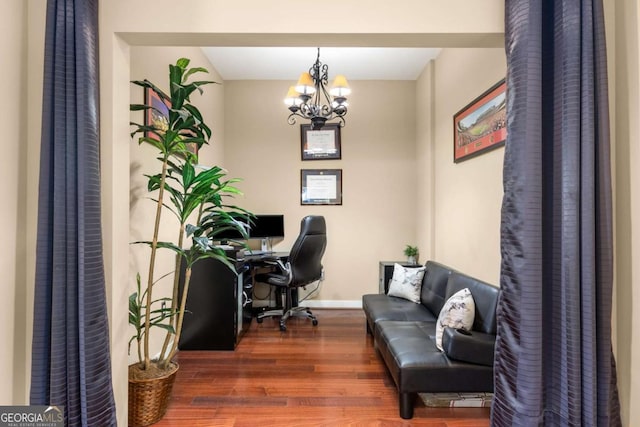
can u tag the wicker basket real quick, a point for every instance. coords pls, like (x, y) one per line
(149, 398)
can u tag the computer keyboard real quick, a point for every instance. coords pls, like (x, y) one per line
(258, 252)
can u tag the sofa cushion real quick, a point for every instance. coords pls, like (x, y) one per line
(406, 282)
(458, 312)
(383, 307)
(434, 286)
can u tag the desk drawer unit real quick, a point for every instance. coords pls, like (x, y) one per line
(218, 306)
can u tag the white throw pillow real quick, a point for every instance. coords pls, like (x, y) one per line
(406, 282)
(458, 312)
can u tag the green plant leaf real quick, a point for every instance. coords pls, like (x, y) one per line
(191, 229)
(193, 71)
(138, 107)
(202, 243)
(183, 62)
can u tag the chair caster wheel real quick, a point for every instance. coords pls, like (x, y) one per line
(314, 322)
(283, 328)
(259, 319)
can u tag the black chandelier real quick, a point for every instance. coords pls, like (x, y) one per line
(310, 99)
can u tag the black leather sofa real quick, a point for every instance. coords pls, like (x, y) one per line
(404, 334)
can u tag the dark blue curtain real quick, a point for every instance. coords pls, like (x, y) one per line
(554, 364)
(70, 360)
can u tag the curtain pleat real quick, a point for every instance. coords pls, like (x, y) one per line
(554, 364)
(70, 359)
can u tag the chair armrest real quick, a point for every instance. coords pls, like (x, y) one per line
(285, 269)
(469, 346)
(274, 261)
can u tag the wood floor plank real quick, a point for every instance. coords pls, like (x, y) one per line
(328, 375)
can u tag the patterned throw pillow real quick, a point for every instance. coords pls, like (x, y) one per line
(458, 312)
(406, 282)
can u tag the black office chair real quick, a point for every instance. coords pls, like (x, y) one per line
(303, 267)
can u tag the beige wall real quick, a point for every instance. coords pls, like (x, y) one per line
(152, 63)
(22, 50)
(626, 96)
(468, 195)
(425, 23)
(377, 217)
(425, 155)
(12, 245)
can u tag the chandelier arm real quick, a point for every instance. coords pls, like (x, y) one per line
(292, 118)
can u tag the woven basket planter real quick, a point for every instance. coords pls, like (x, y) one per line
(149, 397)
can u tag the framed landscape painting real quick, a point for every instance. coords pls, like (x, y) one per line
(159, 116)
(481, 125)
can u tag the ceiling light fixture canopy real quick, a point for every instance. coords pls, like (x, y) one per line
(310, 99)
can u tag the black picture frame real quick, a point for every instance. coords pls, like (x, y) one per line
(320, 144)
(481, 125)
(321, 186)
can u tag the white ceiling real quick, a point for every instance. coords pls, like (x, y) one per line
(286, 63)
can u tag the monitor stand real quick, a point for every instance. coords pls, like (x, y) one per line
(265, 244)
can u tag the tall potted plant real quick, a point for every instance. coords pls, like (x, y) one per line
(196, 196)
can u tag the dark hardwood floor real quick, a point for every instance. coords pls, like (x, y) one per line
(328, 375)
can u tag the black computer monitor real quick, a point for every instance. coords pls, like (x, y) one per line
(267, 226)
(261, 227)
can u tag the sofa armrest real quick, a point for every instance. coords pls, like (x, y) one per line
(469, 346)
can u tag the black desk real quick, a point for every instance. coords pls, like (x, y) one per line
(219, 305)
(216, 311)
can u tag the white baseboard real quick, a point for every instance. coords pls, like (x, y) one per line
(332, 304)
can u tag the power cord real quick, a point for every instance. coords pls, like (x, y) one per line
(314, 291)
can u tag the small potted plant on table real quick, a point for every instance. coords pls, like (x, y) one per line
(411, 252)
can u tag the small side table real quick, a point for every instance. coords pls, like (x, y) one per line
(386, 273)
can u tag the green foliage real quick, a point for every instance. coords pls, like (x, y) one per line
(191, 193)
(137, 310)
(410, 250)
(186, 125)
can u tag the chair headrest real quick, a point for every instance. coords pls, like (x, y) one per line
(313, 224)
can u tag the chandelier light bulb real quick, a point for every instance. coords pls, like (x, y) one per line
(305, 84)
(340, 87)
(292, 99)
